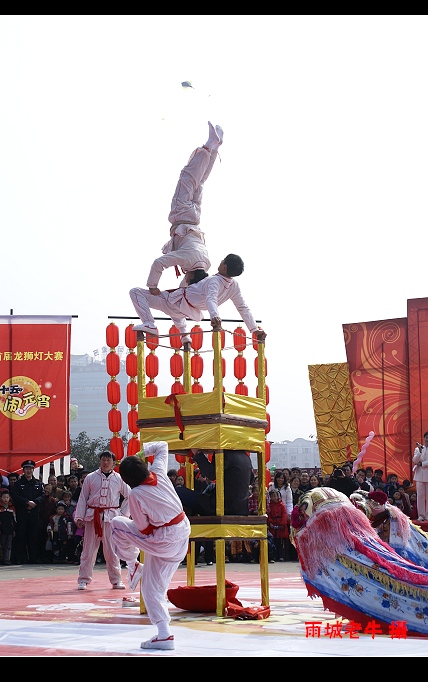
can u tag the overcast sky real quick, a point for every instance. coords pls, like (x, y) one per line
(321, 186)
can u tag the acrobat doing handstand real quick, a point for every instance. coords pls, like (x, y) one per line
(186, 248)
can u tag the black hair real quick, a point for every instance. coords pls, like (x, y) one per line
(133, 471)
(234, 265)
(107, 453)
(197, 276)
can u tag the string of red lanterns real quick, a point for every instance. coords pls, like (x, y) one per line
(132, 391)
(113, 390)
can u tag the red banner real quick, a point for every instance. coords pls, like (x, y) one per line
(34, 389)
(378, 370)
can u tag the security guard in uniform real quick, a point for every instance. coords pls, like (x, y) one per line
(27, 494)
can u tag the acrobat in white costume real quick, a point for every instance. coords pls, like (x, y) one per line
(186, 248)
(154, 505)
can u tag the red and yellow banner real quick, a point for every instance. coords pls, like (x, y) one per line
(34, 389)
(379, 377)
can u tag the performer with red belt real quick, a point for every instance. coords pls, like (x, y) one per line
(97, 505)
(159, 528)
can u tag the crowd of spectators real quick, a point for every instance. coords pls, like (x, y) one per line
(37, 525)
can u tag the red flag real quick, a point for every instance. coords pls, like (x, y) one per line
(34, 389)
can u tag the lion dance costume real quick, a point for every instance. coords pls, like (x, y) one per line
(357, 575)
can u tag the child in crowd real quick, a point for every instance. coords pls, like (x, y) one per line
(413, 507)
(61, 532)
(278, 523)
(7, 526)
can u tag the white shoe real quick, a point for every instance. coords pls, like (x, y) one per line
(145, 328)
(81, 585)
(421, 518)
(134, 575)
(119, 586)
(220, 133)
(156, 643)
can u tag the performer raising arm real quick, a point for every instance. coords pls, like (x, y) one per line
(159, 528)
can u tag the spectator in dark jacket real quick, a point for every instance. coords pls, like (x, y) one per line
(344, 484)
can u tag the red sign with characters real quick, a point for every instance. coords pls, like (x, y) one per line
(34, 389)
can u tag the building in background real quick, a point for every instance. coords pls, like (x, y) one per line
(88, 393)
(295, 453)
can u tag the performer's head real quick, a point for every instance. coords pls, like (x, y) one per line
(195, 276)
(231, 266)
(133, 471)
(107, 461)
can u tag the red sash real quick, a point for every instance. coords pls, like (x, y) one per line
(149, 529)
(97, 519)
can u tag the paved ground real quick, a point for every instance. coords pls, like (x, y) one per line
(43, 614)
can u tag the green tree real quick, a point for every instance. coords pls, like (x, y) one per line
(87, 450)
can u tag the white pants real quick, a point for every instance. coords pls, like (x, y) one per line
(164, 550)
(422, 498)
(91, 543)
(186, 202)
(143, 300)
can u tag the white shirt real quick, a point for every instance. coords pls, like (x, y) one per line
(209, 294)
(99, 490)
(155, 504)
(420, 473)
(186, 249)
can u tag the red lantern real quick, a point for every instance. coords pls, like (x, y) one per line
(240, 367)
(222, 338)
(268, 421)
(114, 420)
(239, 339)
(132, 421)
(113, 392)
(181, 459)
(151, 390)
(177, 387)
(152, 340)
(113, 363)
(267, 451)
(268, 477)
(256, 366)
(197, 337)
(175, 338)
(131, 365)
(241, 389)
(132, 393)
(267, 393)
(112, 335)
(130, 337)
(197, 387)
(116, 446)
(255, 341)
(134, 446)
(196, 366)
(152, 365)
(176, 365)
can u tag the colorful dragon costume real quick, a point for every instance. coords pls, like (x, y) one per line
(358, 576)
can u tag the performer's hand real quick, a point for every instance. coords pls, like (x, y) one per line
(216, 324)
(260, 335)
(79, 523)
(154, 291)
